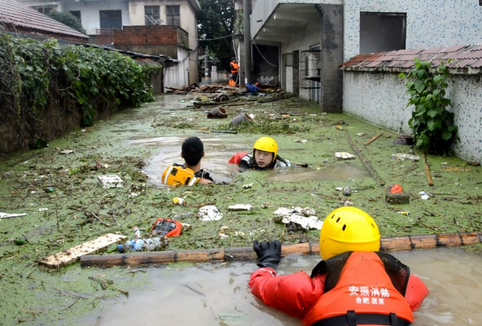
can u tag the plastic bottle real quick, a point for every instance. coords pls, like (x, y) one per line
(346, 191)
(149, 244)
(131, 245)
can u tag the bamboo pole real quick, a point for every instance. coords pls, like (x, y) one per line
(247, 253)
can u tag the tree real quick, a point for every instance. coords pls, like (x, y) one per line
(216, 25)
(68, 19)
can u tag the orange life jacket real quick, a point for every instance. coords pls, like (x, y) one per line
(234, 67)
(176, 175)
(364, 289)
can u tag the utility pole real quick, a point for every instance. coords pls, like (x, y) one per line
(247, 42)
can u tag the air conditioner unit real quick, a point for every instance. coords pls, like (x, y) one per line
(312, 65)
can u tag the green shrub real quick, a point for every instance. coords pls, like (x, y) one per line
(432, 124)
(68, 19)
(39, 73)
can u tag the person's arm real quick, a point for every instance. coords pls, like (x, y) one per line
(293, 294)
(416, 292)
(245, 162)
(204, 181)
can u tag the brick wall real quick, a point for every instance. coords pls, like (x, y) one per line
(146, 36)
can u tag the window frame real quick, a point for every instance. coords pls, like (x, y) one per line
(152, 18)
(173, 18)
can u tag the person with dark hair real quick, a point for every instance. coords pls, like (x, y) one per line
(189, 173)
(353, 284)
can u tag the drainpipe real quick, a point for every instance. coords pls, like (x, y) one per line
(247, 42)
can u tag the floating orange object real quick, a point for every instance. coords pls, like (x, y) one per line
(167, 227)
(396, 189)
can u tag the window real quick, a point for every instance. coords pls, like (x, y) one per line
(111, 19)
(43, 9)
(291, 59)
(77, 15)
(173, 15)
(382, 32)
(152, 15)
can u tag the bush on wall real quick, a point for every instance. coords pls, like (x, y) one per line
(431, 122)
(36, 74)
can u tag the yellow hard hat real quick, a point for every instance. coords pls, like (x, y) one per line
(348, 229)
(267, 144)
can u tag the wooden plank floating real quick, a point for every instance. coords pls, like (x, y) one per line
(67, 256)
(247, 253)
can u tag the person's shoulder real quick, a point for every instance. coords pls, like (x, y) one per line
(281, 163)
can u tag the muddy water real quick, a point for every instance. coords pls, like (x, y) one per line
(221, 150)
(217, 294)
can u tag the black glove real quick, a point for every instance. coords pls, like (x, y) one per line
(269, 253)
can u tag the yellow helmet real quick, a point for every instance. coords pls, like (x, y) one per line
(348, 229)
(267, 144)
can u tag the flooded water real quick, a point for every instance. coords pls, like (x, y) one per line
(218, 294)
(221, 150)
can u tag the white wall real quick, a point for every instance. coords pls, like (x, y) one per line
(177, 76)
(430, 23)
(188, 23)
(381, 99)
(307, 37)
(89, 12)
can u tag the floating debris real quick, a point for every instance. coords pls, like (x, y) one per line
(209, 213)
(403, 157)
(304, 217)
(240, 207)
(7, 215)
(111, 181)
(344, 156)
(247, 186)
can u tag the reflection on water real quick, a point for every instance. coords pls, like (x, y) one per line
(339, 172)
(217, 294)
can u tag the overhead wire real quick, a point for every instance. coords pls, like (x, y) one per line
(262, 56)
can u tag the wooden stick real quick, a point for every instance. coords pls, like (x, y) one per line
(371, 140)
(248, 254)
(427, 170)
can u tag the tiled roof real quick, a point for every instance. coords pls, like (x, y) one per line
(17, 15)
(465, 59)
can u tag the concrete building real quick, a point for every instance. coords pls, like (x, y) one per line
(102, 20)
(18, 19)
(313, 37)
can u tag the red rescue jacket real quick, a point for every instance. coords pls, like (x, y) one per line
(363, 286)
(297, 294)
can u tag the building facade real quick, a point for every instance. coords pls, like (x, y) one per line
(103, 19)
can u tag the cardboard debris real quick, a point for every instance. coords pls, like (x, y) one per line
(111, 181)
(70, 255)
